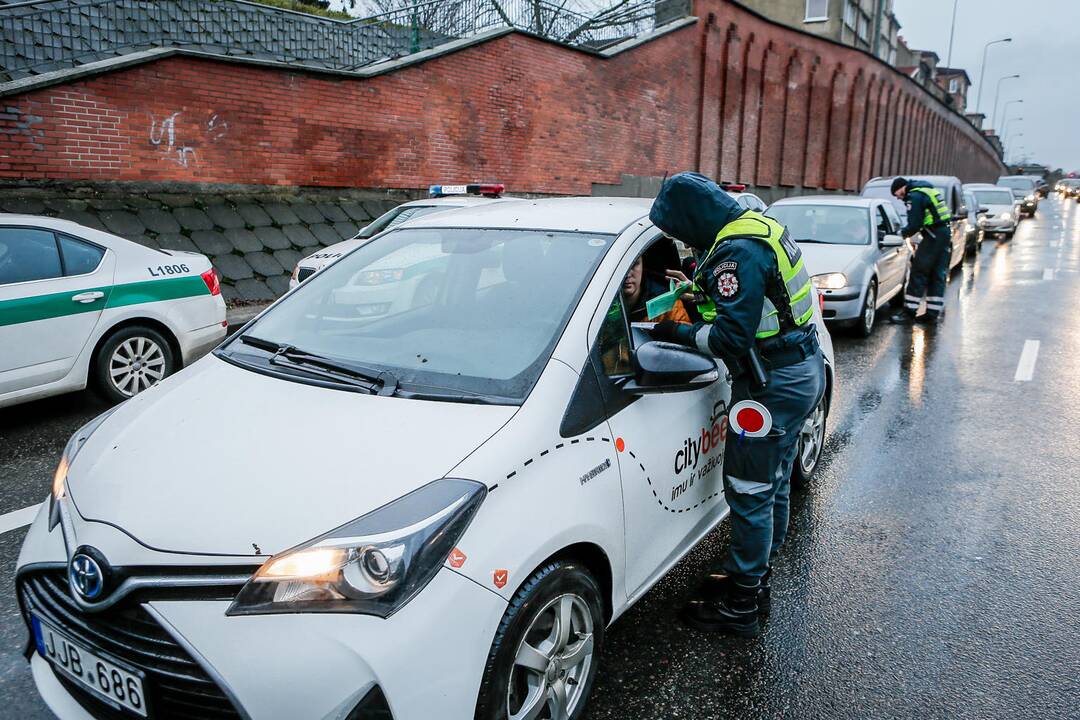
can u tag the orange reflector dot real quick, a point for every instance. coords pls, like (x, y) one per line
(619, 444)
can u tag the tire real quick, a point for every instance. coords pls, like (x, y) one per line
(864, 325)
(811, 442)
(1008, 235)
(138, 345)
(531, 619)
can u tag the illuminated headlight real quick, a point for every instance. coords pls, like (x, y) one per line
(830, 281)
(74, 445)
(1006, 216)
(372, 565)
(1030, 198)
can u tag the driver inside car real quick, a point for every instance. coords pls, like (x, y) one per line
(642, 284)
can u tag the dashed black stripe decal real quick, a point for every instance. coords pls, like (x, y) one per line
(660, 502)
(529, 461)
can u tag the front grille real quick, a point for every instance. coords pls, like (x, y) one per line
(176, 686)
(304, 273)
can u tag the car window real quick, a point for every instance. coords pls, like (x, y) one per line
(613, 342)
(80, 257)
(392, 218)
(884, 224)
(464, 310)
(993, 197)
(894, 217)
(27, 254)
(833, 224)
(1016, 183)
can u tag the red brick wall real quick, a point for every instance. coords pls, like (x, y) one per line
(733, 96)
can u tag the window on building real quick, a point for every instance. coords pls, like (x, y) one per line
(851, 13)
(864, 27)
(954, 85)
(817, 10)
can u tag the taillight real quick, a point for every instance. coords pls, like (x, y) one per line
(213, 283)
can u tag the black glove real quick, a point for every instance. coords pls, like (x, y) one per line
(668, 331)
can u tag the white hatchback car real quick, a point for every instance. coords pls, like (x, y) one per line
(504, 466)
(80, 306)
(1002, 208)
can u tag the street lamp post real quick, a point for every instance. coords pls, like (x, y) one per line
(1005, 111)
(997, 95)
(1008, 129)
(982, 70)
(952, 32)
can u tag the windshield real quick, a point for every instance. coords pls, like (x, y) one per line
(1017, 183)
(444, 311)
(877, 191)
(993, 197)
(392, 218)
(833, 224)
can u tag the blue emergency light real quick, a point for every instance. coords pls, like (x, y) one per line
(492, 190)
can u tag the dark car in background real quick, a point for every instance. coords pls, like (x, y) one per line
(1023, 189)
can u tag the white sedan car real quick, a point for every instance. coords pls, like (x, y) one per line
(79, 306)
(459, 196)
(504, 467)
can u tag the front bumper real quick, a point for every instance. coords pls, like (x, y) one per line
(842, 304)
(427, 659)
(998, 225)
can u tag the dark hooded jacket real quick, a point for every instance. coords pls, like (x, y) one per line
(737, 276)
(918, 204)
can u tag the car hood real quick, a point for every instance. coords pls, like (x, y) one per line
(327, 255)
(821, 259)
(218, 458)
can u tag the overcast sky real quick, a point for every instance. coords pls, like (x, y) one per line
(1045, 52)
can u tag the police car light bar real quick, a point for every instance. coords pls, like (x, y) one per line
(492, 190)
(733, 187)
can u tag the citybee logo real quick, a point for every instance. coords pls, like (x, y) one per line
(696, 448)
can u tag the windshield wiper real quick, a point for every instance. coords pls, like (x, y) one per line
(379, 382)
(813, 240)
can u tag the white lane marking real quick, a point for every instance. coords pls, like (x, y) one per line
(18, 518)
(1025, 369)
(1048, 274)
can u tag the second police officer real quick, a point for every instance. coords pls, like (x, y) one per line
(759, 310)
(929, 215)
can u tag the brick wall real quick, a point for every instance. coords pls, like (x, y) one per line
(733, 95)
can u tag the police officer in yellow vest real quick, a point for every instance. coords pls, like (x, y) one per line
(929, 216)
(759, 304)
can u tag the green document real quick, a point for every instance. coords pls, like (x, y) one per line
(663, 303)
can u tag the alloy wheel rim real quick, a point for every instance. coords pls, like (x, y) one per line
(552, 662)
(810, 438)
(871, 308)
(136, 364)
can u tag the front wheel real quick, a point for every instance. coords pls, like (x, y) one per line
(864, 325)
(544, 658)
(130, 361)
(811, 442)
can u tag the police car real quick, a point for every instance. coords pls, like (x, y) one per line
(505, 466)
(82, 307)
(442, 197)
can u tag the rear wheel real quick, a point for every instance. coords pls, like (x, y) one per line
(811, 442)
(130, 361)
(545, 654)
(864, 325)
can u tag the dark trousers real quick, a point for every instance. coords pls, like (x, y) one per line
(757, 471)
(929, 272)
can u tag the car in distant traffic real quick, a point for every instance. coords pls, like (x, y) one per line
(952, 191)
(442, 197)
(83, 307)
(1002, 208)
(853, 252)
(501, 473)
(973, 235)
(1023, 188)
(1042, 188)
(1069, 187)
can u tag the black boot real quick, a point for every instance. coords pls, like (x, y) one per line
(902, 317)
(736, 613)
(928, 318)
(717, 585)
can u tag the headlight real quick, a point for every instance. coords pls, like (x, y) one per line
(74, 445)
(372, 565)
(1030, 198)
(830, 281)
(1006, 216)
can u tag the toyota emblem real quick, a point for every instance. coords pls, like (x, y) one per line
(86, 576)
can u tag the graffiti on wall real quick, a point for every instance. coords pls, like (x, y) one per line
(164, 135)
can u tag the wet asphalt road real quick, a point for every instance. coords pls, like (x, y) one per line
(933, 566)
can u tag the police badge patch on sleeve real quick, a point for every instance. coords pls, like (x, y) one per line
(727, 284)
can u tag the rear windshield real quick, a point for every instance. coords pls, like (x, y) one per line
(1019, 183)
(993, 197)
(833, 224)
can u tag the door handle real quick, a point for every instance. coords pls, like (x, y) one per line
(88, 297)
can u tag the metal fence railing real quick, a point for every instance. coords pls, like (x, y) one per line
(44, 35)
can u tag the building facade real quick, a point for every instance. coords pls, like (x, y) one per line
(955, 82)
(869, 25)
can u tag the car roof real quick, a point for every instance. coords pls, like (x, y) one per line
(580, 214)
(932, 179)
(984, 186)
(452, 201)
(838, 200)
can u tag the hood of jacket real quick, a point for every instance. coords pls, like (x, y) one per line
(693, 209)
(917, 184)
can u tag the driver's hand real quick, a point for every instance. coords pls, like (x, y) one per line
(680, 277)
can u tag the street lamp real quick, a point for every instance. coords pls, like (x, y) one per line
(997, 94)
(1005, 110)
(952, 32)
(982, 70)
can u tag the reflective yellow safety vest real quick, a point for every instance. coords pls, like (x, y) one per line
(796, 281)
(938, 212)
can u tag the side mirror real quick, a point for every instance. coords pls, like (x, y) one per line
(662, 367)
(982, 211)
(891, 241)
